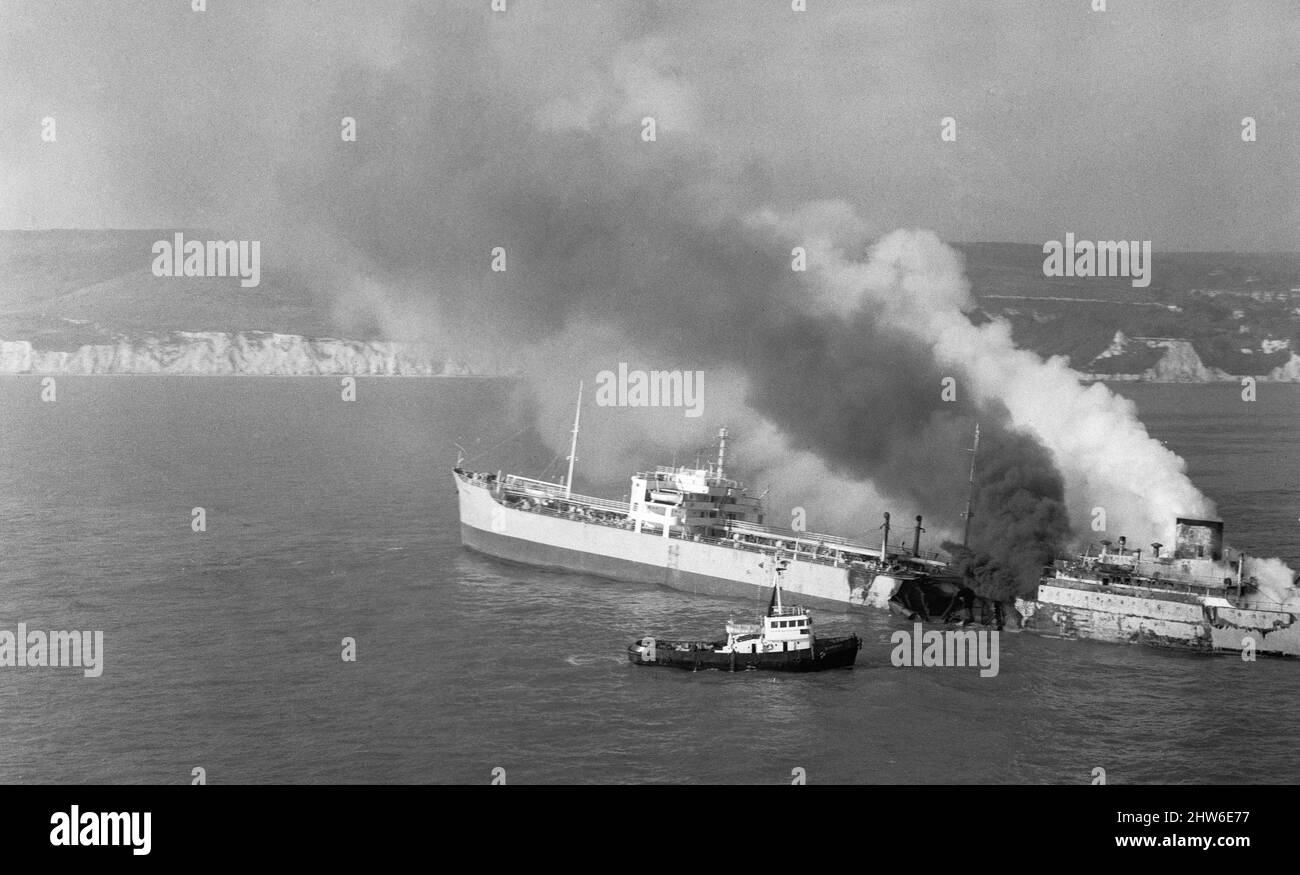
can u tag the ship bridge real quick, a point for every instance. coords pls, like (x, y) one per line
(694, 499)
(701, 501)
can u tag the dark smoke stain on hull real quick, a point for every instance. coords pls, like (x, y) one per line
(945, 600)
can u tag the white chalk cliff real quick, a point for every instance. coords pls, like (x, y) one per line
(1180, 363)
(217, 353)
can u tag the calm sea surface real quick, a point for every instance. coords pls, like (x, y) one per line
(328, 520)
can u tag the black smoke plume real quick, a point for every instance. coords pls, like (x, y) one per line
(652, 243)
(1018, 521)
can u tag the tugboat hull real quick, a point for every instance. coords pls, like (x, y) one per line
(826, 653)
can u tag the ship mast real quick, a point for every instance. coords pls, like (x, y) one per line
(573, 446)
(970, 492)
(722, 451)
(776, 583)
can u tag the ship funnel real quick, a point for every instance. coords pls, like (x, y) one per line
(1198, 539)
(916, 538)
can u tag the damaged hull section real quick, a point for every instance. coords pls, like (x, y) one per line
(1194, 597)
(1168, 619)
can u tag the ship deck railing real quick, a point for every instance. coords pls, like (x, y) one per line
(1146, 576)
(519, 485)
(825, 557)
(1202, 586)
(1190, 587)
(1277, 607)
(579, 504)
(896, 551)
(788, 610)
(806, 546)
(707, 474)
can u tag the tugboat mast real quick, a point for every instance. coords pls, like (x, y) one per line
(573, 447)
(970, 492)
(777, 566)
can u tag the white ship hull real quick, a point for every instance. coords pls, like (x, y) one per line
(617, 553)
(1125, 614)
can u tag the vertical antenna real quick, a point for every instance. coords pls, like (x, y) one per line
(970, 492)
(573, 447)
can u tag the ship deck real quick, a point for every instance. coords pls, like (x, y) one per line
(1190, 592)
(525, 495)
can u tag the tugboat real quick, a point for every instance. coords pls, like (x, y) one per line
(782, 640)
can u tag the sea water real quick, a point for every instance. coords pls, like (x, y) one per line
(327, 520)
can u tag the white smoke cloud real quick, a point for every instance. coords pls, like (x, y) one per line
(639, 82)
(567, 232)
(915, 283)
(614, 442)
(1275, 580)
(1108, 460)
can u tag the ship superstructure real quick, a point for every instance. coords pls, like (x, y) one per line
(1194, 596)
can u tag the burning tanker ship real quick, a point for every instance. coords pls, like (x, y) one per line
(1193, 597)
(696, 529)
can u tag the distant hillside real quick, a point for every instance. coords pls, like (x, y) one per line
(91, 296)
(1204, 316)
(87, 302)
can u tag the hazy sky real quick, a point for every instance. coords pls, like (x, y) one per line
(775, 129)
(1119, 124)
